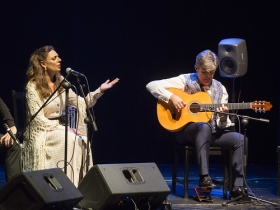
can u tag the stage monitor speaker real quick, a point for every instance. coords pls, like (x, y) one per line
(123, 186)
(233, 59)
(42, 189)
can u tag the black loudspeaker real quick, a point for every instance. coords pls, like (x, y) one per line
(42, 189)
(123, 186)
(233, 59)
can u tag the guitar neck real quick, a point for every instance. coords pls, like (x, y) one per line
(230, 106)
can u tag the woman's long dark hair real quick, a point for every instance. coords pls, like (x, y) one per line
(37, 74)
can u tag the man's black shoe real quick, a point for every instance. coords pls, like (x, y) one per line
(239, 192)
(206, 182)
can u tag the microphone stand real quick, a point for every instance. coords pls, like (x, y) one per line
(89, 119)
(64, 84)
(245, 197)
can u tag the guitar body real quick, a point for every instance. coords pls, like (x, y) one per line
(174, 120)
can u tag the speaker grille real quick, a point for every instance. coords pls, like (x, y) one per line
(233, 59)
(228, 65)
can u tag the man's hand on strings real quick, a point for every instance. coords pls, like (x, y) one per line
(177, 102)
(223, 108)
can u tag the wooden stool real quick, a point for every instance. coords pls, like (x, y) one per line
(187, 150)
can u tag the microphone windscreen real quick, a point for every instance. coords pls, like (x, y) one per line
(68, 70)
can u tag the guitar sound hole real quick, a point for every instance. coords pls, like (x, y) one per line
(195, 107)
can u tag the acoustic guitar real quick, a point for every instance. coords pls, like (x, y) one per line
(199, 108)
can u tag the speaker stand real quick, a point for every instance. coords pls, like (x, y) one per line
(245, 198)
(233, 117)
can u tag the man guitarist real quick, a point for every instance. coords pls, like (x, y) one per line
(215, 131)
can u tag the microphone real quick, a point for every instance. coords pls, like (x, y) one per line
(75, 73)
(11, 133)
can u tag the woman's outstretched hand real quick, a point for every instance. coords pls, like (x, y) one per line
(107, 85)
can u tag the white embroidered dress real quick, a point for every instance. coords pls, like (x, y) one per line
(44, 139)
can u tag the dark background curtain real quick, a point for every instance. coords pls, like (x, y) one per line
(140, 41)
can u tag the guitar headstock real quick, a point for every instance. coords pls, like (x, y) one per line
(261, 106)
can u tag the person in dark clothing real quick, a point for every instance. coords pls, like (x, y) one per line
(10, 149)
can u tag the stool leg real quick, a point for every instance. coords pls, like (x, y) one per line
(186, 175)
(174, 174)
(230, 172)
(226, 175)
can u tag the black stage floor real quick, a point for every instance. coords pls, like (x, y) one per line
(261, 180)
